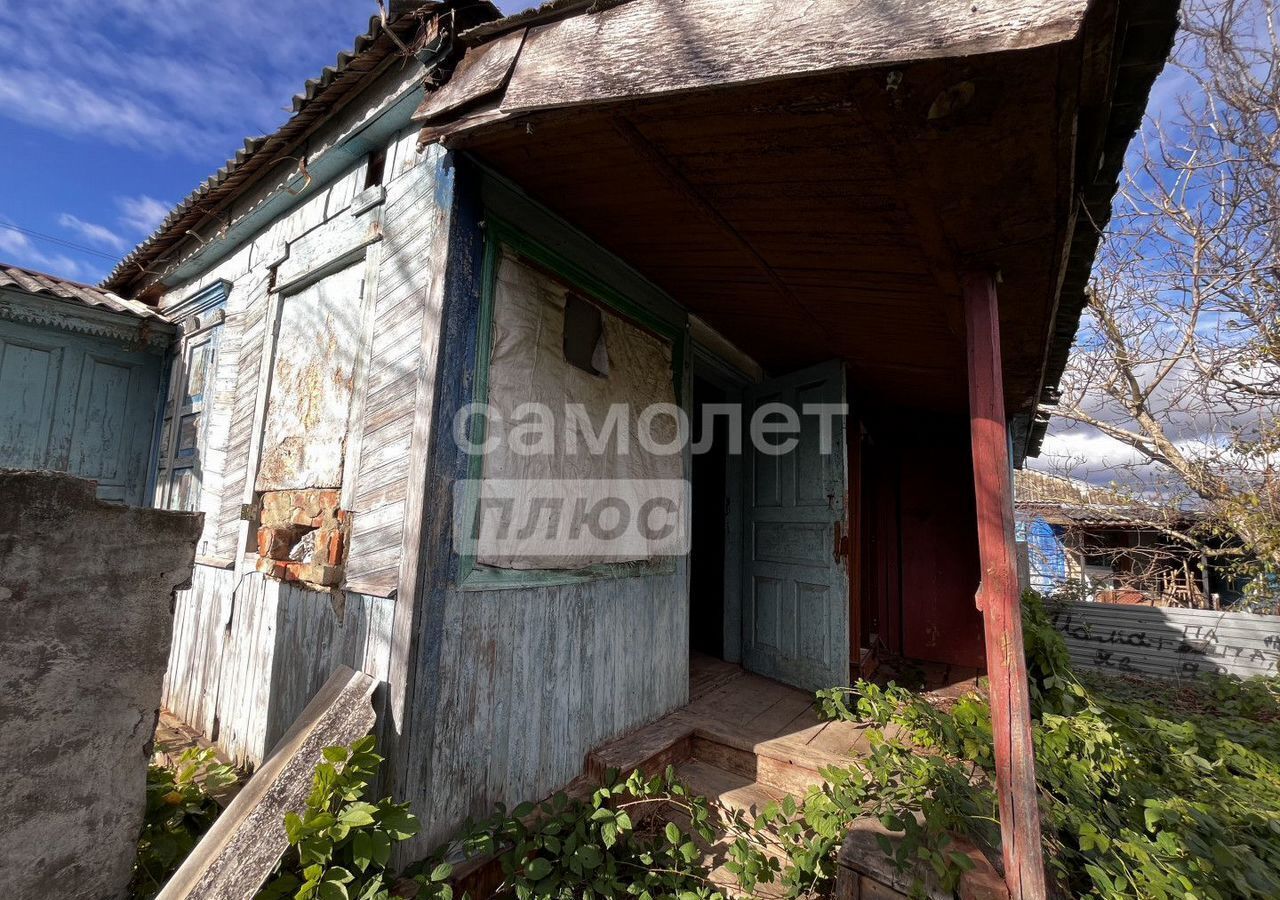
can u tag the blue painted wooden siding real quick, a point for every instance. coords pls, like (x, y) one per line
(79, 404)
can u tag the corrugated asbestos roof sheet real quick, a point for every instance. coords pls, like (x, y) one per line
(40, 284)
(1030, 486)
(319, 96)
(1068, 501)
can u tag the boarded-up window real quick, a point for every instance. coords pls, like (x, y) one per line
(311, 385)
(607, 366)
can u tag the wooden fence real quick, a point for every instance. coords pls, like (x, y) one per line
(1172, 643)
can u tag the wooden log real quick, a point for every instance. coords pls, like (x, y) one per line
(235, 857)
(999, 597)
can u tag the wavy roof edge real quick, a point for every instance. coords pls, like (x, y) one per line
(43, 284)
(368, 52)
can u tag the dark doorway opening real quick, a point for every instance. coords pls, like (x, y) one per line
(708, 522)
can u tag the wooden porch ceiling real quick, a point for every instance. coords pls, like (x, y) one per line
(830, 216)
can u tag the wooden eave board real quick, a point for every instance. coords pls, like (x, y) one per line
(651, 47)
(482, 72)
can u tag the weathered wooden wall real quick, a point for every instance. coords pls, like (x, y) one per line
(246, 658)
(1171, 643)
(77, 395)
(527, 681)
(248, 652)
(506, 690)
(493, 695)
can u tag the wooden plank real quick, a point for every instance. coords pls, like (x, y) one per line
(648, 47)
(482, 71)
(357, 417)
(242, 847)
(999, 596)
(421, 369)
(380, 583)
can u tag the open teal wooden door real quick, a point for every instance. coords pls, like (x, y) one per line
(795, 623)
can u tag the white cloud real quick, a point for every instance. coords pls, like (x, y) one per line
(92, 232)
(64, 104)
(182, 77)
(142, 214)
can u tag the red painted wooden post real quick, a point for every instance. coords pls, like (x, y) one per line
(999, 595)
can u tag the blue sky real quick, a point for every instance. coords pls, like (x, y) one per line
(113, 110)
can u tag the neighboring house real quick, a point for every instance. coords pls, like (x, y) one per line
(683, 203)
(1093, 543)
(80, 375)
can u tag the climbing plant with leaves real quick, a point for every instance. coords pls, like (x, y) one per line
(181, 807)
(1144, 793)
(621, 841)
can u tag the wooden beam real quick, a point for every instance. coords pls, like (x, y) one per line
(238, 853)
(999, 597)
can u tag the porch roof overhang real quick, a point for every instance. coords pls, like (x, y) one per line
(813, 179)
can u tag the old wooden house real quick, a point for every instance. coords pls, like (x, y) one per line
(891, 206)
(80, 376)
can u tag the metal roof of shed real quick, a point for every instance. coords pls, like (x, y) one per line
(42, 284)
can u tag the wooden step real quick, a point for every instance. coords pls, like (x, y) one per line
(785, 763)
(730, 789)
(734, 793)
(650, 749)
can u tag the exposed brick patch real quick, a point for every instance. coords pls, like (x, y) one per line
(302, 536)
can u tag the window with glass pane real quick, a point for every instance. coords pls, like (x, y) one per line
(183, 433)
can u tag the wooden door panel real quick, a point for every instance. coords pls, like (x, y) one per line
(795, 610)
(28, 394)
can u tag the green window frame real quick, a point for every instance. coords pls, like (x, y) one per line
(500, 234)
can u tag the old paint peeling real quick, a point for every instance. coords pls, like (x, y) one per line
(306, 429)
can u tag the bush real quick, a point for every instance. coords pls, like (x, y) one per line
(1147, 790)
(180, 809)
(1140, 796)
(618, 843)
(340, 845)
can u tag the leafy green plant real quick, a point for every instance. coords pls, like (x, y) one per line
(181, 807)
(1145, 792)
(1147, 789)
(340, 845)
(925, 796)
(620, 842)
